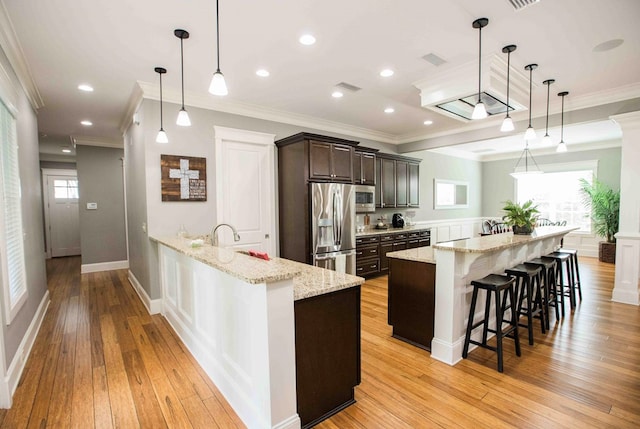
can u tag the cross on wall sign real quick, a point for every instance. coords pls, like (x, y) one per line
(184, 178)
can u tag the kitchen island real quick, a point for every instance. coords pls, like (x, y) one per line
(457, 263)
(270, 334)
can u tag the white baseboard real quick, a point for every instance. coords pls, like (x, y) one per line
(104, 266)
(14, 372)
(153, 306)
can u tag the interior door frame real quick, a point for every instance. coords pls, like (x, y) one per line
(223, 134)
(46, 172)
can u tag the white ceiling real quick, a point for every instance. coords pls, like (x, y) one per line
(113, 44)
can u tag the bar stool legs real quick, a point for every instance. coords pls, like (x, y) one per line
(575, 270)
(529, 289)
(495, 285)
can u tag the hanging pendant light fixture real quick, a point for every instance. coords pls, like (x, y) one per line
(562, 146)
(526, 154)
(162, 136)
(479, 111)
(218, 85)
(183, 117)
(530, 134)
(547, 139)
(507, 123)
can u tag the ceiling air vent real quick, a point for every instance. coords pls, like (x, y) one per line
(521, 4)
(348, 87)
(434, 59)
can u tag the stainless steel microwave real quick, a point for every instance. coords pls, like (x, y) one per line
(365, 199)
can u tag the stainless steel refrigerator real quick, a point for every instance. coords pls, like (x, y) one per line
(333, 226)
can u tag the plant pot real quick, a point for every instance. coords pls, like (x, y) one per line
(607, 252)
(522, 230)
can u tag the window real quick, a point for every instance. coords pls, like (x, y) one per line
(450, 194)
(14, 283)
(557, 193)
(65, 189)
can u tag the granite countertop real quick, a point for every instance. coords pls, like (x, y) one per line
(418, 254)
(308, 280)
(491, 243)
(374, 231)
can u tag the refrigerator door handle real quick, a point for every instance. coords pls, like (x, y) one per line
(333, 255)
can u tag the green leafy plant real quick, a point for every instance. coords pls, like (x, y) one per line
(522, 217)
(605, 207)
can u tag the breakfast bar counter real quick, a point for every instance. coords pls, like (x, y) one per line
(270, 334)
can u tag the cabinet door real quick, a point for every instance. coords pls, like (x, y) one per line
(384, 261)
(388, 182)
(413, 185)
(319, 160)
(378, 195)
(368, 169)
(401, 183)
(342, 163)
(357, 167)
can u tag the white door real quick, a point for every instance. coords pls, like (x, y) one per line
(245, 188)
(62, 218)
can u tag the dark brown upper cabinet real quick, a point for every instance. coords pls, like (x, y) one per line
(330, 161)
(413, 184)
(401, 183)
(398, 180)
(364, 166)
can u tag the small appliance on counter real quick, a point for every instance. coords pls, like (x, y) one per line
(397, 220)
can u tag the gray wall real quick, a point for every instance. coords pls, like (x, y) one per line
(27, 135)
(498, 186)
(102, 231)
(58, 165)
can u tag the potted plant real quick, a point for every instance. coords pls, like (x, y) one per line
(522, 218)
(605, 213)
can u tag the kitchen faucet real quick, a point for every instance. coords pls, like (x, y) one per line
(214, 236)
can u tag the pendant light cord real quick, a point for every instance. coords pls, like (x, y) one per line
(562, 122)
(160, 101)
(547, 127)
(218, 35)
(508, 70)
(479, 62)
(182, 71)
(530, 90)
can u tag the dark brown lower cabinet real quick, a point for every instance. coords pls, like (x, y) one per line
(327, 353)
(412, 287)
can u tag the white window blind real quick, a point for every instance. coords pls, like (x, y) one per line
(14, 282)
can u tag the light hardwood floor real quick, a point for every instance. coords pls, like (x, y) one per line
(101, 361)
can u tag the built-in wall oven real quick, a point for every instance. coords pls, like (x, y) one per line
(365, 199)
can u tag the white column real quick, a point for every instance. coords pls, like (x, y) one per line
(628, 239)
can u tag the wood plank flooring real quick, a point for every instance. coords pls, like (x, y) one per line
(100, 360)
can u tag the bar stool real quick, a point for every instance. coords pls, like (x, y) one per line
(528, 287)
(563, 265)
(493, 284)
(548, 279)
(575, 269)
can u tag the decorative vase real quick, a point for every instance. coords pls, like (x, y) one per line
(522, 230)
(607, 252)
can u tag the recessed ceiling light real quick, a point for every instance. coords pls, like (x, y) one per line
(65, 150)
(307, 39)
(85, 87)
(386, 73)
(428, 122)
(389, 110)
(337, 94)
(262, 73)
(86, 123)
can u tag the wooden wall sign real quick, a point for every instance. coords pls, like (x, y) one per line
(184, 178)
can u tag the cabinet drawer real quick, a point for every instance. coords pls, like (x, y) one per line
(367, 240)
(413, 243)
(413, 235)
(387, 237)
(402, 236)
(370, 266)
(425, 233)
(366, 251)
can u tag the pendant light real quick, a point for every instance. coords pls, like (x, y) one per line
(526, 154)
(547, 139)
(562, 146)
(162, 136)
(530, 134)
(507, 123)
(183, 117)
(218, 85)
(479, 111)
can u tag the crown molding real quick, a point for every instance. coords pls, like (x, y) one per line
(579, 147)
(135, 99)
(11, 46)
(97, 141)
(210, 102)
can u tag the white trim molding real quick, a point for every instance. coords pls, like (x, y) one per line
(153, 306)
(104, 266)
(9, 383)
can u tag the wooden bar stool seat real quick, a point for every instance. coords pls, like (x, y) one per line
(529, 289)
(496, 285)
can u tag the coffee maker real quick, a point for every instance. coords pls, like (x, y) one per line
(397, 220)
